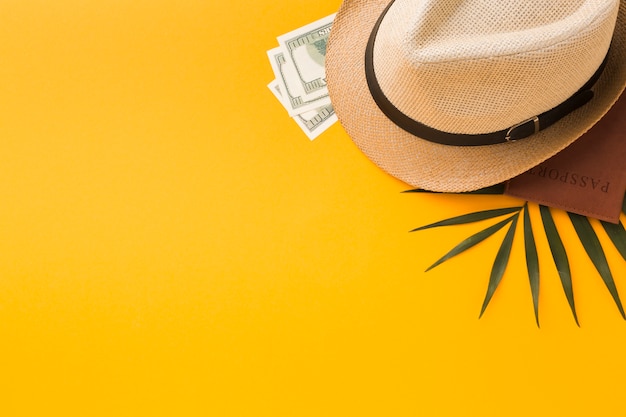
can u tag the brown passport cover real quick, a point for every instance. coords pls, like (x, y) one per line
(588, 177)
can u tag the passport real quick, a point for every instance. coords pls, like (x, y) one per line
(588, 177)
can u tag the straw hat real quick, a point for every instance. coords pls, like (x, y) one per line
(451, 95)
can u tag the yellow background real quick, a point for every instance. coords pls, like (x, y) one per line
(172, 245)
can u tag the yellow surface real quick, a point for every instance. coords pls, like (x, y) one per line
(172, 245)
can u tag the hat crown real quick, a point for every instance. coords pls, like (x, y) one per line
(476, 66)
(461, 29)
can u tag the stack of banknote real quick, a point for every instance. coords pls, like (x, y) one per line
(300, 84)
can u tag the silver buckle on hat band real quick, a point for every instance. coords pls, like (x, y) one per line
(534, 119)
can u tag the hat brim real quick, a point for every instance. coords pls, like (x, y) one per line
(445, 168)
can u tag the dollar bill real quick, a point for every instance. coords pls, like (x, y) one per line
(295, 99)
(300, 84)
(313, 122)
(304, 53)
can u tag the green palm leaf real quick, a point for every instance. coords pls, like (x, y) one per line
(560, 257)
(592, 246)
(500, 263)
(618, 236)
(532, 261)
(473, 240)
(584, 230)
(471, 218)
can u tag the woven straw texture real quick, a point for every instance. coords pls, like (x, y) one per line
(472, 72)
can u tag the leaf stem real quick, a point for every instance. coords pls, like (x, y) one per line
(532, 261)
(473, 240)
(592, 246)
(559, 255)
(500, 263)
